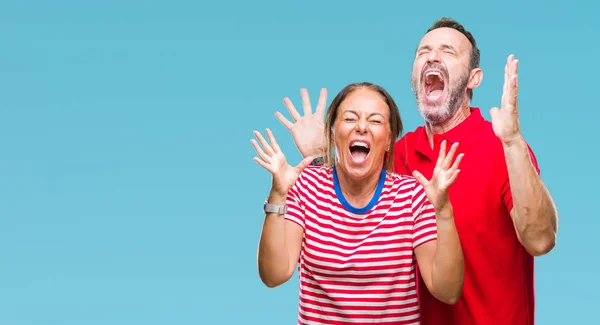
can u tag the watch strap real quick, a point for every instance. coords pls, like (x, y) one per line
(272, 208)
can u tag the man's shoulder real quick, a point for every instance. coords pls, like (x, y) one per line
(410, 137)
(404, 148)
(486, 129)
(406, 144)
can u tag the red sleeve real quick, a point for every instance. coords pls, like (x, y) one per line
(425, 227)
(506, 193)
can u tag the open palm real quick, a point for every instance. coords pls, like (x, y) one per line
(505, 121)
(273, 160)
(307, 130)
(444, 175)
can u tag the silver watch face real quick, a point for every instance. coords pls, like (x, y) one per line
(317, 161)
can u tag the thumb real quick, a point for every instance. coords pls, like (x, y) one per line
(303, 164)
(420, 178)
(494, 112)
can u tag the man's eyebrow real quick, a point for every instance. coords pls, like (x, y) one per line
(449, 47)
(443, 46)
(424, 47)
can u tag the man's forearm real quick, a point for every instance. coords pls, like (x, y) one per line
(534, 213)
(315, 152)
(448, 264)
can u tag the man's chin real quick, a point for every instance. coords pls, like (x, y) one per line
(432, 103)
(434, 114)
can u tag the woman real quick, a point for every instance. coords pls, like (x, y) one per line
(357, 230)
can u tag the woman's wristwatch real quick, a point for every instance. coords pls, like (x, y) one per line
(272, 208)
(317, 161)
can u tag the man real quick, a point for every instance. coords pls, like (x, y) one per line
(503, 212)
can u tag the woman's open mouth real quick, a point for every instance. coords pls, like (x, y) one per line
(359, 151)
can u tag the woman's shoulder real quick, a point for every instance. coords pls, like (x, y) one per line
(316, 174)
(400, 185)
(318, 170)
(396, 178)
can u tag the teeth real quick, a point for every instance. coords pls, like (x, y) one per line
(433, 73)
(360, 144)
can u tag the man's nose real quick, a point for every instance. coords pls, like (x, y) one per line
(434, 56)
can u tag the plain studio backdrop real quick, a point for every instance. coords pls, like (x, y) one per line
(128, 194)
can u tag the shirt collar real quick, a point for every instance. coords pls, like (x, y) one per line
(456, 134)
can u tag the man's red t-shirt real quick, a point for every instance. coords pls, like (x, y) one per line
(498, 286)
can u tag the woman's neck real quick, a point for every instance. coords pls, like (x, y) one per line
(358, 192)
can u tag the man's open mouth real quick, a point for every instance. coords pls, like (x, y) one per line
(434, 83)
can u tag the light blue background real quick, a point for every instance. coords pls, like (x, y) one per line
(128, 194)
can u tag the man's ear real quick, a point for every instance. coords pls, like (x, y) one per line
(475, 78)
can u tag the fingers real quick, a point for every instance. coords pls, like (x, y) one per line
(260, 152)
(513, 92)
(274, 144)
(420, 178)
(456, 163)
(514, 66)
(509, 62)
(453, 177)
(303, 164)
(263, 164)
(510, 93)
(293, 112)
(450, 156)
(264, 143)
(305, 102)
(320, 110)
(514, 83)
(509, 71)
(264, 161)
(441, 155)
(284, 121)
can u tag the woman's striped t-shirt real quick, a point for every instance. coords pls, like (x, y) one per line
(357, 265)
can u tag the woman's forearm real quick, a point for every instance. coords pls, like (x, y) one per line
(448, 264)
(273, 253)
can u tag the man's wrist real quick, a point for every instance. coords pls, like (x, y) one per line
(445, 211)
(314, 152)
(516, 141)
